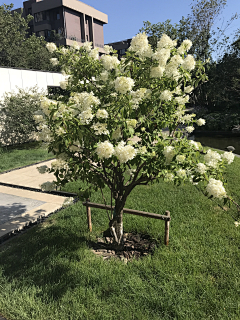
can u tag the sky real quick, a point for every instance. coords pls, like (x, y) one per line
(125, 17)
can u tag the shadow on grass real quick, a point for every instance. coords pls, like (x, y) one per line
(43, 256)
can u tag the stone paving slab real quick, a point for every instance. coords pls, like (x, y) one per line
(19, 207)
(28, 176)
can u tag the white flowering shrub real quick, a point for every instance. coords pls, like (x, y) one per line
(109, 132)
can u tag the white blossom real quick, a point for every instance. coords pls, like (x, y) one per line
(169, 153)
(166, 42)
(63, 84)
(87, 46)
(51, 47)
(185, 46)
(86, 116)
(108, 49)
(189, 129)
(104, 149)
(215, 188)
(140, 45)
(94, 54)
(104, 76)
(131, 123)
(166, 95)
(181, 173)
(162, 56)
(169, 176)
(194, 144)
(156, 72)
(124, 152)
(124, 84)
(211, 158)
(228, 156)
(201, 168)
(102, 114)
(54, 61)
(180, 158)
(100, 128)
(109, 62)
(188, 89)
(189, 63)
(84, 100)
(200, 122)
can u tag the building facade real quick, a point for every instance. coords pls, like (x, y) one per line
(72, 20)
(121, 47)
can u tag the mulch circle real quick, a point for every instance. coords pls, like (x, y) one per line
(135, 246)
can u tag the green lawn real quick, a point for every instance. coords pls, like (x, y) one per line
(22, 155)
(49, 273)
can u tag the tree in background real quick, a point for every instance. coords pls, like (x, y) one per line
(17, 49)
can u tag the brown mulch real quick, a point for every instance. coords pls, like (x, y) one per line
(134, 246)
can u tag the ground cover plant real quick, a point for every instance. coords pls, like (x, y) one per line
(50, 272)
(21, 155)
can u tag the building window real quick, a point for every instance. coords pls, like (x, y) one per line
(122, 51)
(41, 16)
(57, 15)
(86, 37)
(59, 31)
(30, 11)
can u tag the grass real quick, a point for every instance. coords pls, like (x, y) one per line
(50, 273)
(18, 156)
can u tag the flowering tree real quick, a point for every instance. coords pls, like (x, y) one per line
(109, 131)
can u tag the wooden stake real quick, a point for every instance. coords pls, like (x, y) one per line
(89, 219)
(167, 225)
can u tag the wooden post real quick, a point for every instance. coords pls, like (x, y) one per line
(167, 225)
(89, 219)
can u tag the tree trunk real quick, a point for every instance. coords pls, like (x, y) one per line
(116, 225)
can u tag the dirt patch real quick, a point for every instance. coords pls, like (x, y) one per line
(135, 246)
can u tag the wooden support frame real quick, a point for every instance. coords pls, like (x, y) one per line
(165, 217)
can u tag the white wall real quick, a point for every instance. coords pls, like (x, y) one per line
(11, 79)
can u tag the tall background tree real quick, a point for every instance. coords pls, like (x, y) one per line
(18, 49)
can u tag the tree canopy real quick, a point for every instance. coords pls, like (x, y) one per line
(18, 49)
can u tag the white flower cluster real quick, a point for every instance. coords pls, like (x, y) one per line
(171, 70)
(194, 144)
(104, 75)
(48, 186)
(39, 118)
(108, 49)
(87, 46)
(189, 63)
(100, 128)
(161, 55)
(42, 169)
(142, 150)
(166, 42)
(84, 100)
(156, 72)
(140, 46)
(45, 104)
(124, 152)
(124, 84)
(211, 158)
(182, 100)
(200, 122)
(166, 95)
(215, 188)
(109, 62)
(181, 173)
(44, 133)
(228, 156)
(180, 158)
(51, 47)
(75, 147)
(189, 129)
(102, 114)
(201, 168)
(169, 176)
(187, 118)
(94, 54)
(60, 164)
(60, 131)
(104, 150)
(168, 153)
(54, 61)
(63, 84)
(86, 116)
(185, 46)
(138, 95)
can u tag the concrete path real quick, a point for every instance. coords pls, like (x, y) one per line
(19, 207)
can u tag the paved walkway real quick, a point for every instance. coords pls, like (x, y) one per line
(19, 207)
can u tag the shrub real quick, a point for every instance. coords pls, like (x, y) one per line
(16, 116)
